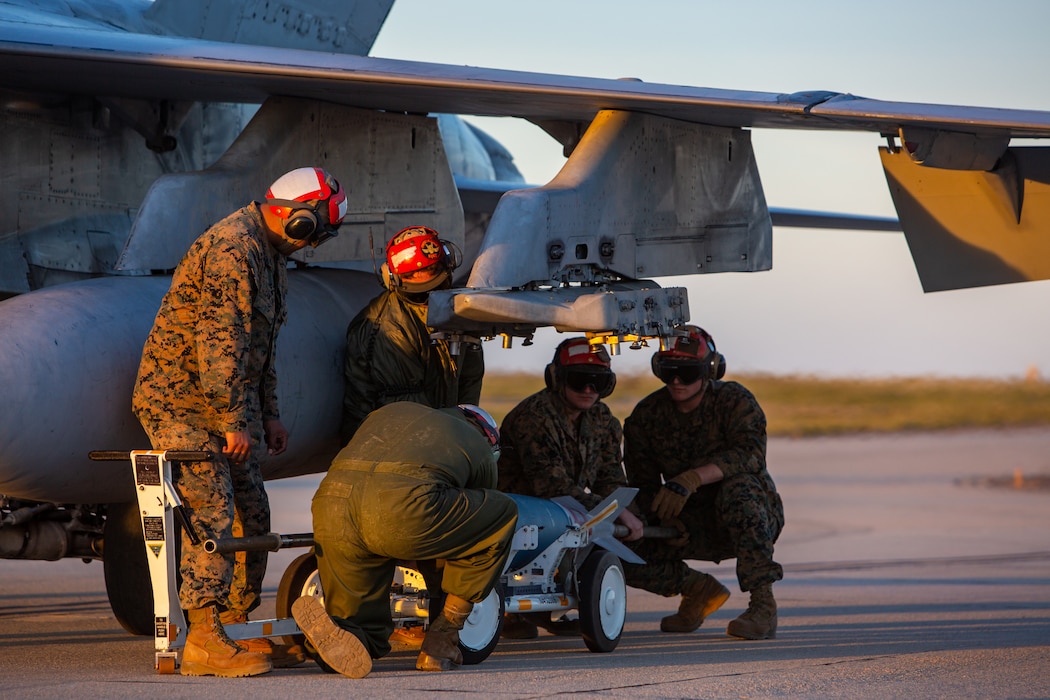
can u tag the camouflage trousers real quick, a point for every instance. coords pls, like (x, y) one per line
(222, 500)
(366, 522)
(734, 518)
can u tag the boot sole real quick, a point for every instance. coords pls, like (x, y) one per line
(340, 649)
(196, 668)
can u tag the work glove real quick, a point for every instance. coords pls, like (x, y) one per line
(671, 497)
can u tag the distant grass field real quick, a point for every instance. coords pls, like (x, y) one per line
(804, 406)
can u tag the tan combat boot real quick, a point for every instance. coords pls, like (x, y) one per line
(440, 651)
(702, 594)
(209, 652)
(759, 621)
(406, 638)
(339, 648)
(281, 655)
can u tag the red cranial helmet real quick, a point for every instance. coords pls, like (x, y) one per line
(578, 364)
(418, 260)
(311, 203)
(690, 356)
(484, 422)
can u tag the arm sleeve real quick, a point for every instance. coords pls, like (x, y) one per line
(643, 471)
(472, 372)
(610, 475)
(268, 394)
(270, 405)
(743, 425)
(223, 333)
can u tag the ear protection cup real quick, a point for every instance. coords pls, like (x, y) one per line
(716, 361)
(548, 376)
(388, 278)
(301, 224)
(453, 255)
(718, 365)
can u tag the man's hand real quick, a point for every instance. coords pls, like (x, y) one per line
(276, 436)
(633, 525)
(238, 446)
(671, 497)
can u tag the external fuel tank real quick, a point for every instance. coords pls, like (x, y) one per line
(68, 359)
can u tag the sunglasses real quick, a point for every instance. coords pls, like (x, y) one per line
(579, 380)
(686, 372)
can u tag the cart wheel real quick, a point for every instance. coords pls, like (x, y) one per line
(166, 665)
(603, 600)
(480, 634)
(299, 579)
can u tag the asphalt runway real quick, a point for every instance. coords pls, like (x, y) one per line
(907, 574)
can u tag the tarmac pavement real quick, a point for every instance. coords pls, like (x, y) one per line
(906, 575)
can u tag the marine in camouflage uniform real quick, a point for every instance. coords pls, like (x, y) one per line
(206, 371)
(563, 441)
(413, 484)
(390, 356)
(206, 382)
(546, 454)
(712, 457)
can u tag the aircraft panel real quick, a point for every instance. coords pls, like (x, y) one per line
(968, 228)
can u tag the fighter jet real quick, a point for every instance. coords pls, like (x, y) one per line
(127, 127)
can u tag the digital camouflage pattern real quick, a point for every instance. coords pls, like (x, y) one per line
(413, 484)
(222, 500)
(207, 369)
(543, 454)
(741, 516)
(390, 357)
(208, 362)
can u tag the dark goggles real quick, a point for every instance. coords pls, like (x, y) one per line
(579, 379)
(686, 371)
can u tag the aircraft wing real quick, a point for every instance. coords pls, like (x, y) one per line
(95, 62)
(973, 207)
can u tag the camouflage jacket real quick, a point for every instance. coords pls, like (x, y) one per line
(390, 357)
(727, 429)
(209, 360)
(543, 455)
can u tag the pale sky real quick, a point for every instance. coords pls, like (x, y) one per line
(836, 303)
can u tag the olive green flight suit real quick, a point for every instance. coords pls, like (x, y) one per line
(414, 483)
